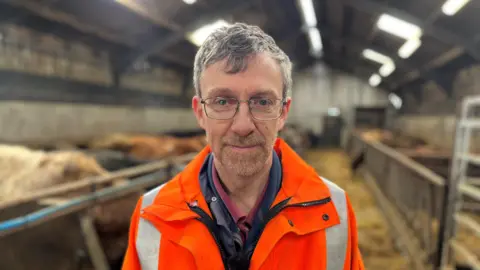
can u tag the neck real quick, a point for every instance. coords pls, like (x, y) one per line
(244, 191)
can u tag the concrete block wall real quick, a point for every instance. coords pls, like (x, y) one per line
(432, 116)
(436, 130)
(45, 123)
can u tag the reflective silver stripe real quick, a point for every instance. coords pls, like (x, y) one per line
(337, 236)
(148, 237)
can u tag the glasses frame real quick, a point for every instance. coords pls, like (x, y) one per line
(283, 103)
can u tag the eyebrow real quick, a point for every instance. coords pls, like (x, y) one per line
(264, 92)
(228, 92)
(219, 91)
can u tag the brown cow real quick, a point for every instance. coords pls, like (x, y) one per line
(149, 147)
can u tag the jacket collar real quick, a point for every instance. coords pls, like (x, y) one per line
(300, 182)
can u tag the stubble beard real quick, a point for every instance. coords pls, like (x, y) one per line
(245, 164)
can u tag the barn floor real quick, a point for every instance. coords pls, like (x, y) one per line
(376, 245)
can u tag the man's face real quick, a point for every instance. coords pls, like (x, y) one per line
(242, 144)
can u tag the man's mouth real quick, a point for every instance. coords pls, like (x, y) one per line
(242, 147)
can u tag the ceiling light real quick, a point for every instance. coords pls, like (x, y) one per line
(315, 41)
(199, 35)
(308, 13)
(409, 47)
(189, 2)
(451, 7)
(375, 80)
(376, 57)
(387, 69)
(398, 27)
(395, 100)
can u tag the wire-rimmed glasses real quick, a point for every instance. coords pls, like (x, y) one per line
(261, 108)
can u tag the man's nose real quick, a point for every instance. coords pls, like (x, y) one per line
(243, 122)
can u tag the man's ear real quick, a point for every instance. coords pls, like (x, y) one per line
(283, 118)
(197, 107)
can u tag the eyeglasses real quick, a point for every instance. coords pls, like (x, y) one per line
(223, 108)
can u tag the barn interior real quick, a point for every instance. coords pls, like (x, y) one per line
(95, 109)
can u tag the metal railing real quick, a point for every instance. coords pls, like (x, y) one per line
(415, 192)
(462, 188)
(431, 207)
(151, 174)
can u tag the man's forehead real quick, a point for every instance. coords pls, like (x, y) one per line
(262, 75)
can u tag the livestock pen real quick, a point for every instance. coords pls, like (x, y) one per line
(84, 223)
(51, 230)
(433, 210)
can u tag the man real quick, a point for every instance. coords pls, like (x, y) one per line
(246, 201)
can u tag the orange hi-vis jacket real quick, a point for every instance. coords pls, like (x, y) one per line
(310, 225)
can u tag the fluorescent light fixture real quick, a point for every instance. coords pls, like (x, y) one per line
(189, 2)
(388, 66)
(375, 80)
(376, 57)
(395, 100)
(315, 41)
(409, 47)
(451, 7)
(398, 27)
(308, 13)
(201, 34)
(333, 111)
(387, 69)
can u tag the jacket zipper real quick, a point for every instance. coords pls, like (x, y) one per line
(210, 223)
(278, 208)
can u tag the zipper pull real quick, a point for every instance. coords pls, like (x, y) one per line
(193, 204)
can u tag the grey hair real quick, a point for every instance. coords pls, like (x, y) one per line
(236, 43)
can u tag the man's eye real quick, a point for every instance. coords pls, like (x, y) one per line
(220, 101)
(263, 102)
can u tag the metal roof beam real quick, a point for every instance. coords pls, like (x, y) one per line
(431, 66)
(361, 44)
(48, 13)
(403, 64)
(156, 45)
(149, 14)
(359, 70)
(440, 33)
(462, 44)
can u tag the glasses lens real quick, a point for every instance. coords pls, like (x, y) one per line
(220, 107)
(265, 109)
